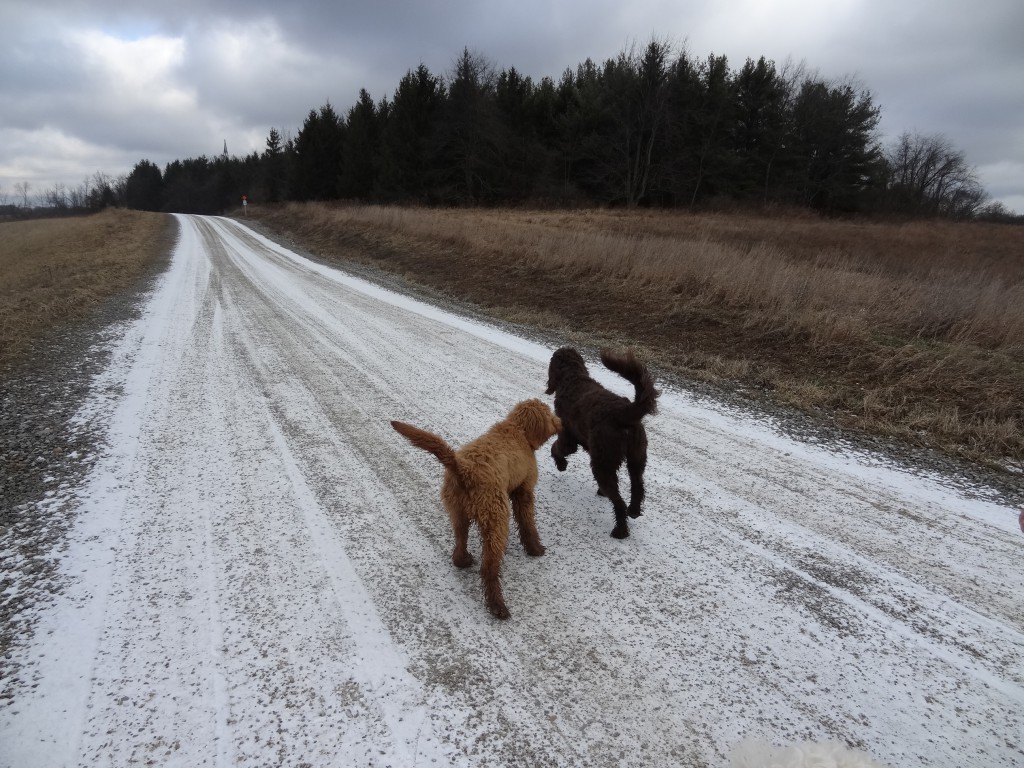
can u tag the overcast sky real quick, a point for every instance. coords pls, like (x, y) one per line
(97, 86)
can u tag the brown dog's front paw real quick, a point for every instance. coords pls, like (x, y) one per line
(534, 550)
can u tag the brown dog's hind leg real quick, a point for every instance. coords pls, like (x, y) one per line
(522, 511)
(608, 486)
(635, 464)
(494, 534)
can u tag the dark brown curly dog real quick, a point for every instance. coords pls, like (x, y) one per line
(479, 480)
(606, 425)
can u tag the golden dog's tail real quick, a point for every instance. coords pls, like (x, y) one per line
(428, 442)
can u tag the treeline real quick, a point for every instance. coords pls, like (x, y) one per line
(95, 193)
(652, 126)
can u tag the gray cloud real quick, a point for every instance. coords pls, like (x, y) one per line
(241, 67)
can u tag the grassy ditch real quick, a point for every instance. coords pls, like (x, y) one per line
(55, 272)
(913, 331)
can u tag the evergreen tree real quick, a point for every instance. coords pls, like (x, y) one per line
(273, 166)
(143, 189)
(318, 153)
(759, 128)
(546, 156)
(583, 124)
(468, 136)
(708, 152)
(406, 137)
(521, 156)
(194, 185)
(362, 146)
(835, 147)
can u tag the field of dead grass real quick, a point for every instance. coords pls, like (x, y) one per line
(912, 330)
(53, 272)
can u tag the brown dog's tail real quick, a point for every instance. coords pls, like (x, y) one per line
(428, 442)
(628, 367)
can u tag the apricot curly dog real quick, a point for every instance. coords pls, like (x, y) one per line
(479, 480)
(606, 425)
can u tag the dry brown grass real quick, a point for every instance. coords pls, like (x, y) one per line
(913, 330)
(54, 272)
(831, 280)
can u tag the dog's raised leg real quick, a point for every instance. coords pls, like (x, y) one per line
(562, 447)
(608, 486)
(522, 511)
(494, 534)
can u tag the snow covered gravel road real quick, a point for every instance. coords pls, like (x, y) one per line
(259, 572)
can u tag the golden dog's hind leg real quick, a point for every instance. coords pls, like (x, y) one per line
(494, 535)
(460, 527)
(454, 500)
(522, 511)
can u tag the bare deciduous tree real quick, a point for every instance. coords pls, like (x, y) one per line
(927, 175)
(636, 97)
(56, 196)
(21, 189)
(76, 195)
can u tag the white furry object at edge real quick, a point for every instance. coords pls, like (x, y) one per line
(751, 753)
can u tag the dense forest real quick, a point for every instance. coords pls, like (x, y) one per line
(652, 126)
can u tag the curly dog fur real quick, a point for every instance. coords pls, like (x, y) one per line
(606, 425)
(481, 478)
